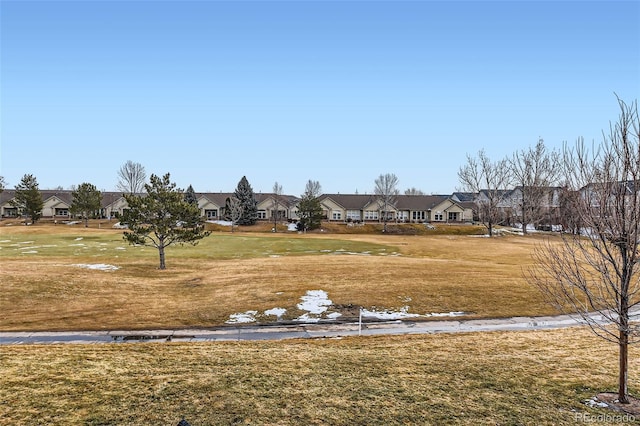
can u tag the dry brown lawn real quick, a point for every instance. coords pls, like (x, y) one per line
(504, 378)
(204, 285)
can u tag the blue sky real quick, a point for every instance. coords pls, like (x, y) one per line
(334, 91)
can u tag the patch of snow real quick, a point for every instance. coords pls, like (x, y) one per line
(315, 301)
(594, 403)
(389, 315)
(447, 314)
(78, 239)
(307, 318)
(5, 241)
(334, 315)
(97, 266)
(276, 312)
(221, 222)
(72, 223)
(120, 248)
(29, 252)
(242, 317)
(118, 225)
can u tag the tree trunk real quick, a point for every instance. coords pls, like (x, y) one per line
(524, 216)
(161, 252)
(622, 384)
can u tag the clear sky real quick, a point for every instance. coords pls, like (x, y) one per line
(334, 91)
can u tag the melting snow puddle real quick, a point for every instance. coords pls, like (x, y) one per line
(97, 266)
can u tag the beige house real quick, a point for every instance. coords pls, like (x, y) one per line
(407, 208)
(336, 207)
(56, 203)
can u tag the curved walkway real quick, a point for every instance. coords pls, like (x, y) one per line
(295, 331)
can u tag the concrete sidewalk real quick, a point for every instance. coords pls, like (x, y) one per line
(294, 331)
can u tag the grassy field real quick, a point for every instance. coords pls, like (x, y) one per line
(505, 378)
(509, 378)
(47, 285)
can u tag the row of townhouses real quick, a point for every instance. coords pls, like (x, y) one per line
(455, 208)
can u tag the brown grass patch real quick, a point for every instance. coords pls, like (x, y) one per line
(539, 378)
(431, 274)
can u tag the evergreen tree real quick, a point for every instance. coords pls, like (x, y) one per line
(162, 217)
(247, 198)
(309, 208)
(86, 201)
(190, 196)
(28, 199)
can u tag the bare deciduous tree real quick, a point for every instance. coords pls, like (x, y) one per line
(488, 181)
(313, 188)
(413, 191)
(534, 171)
(131, 178)
(387, 191)
(596, 275)
(277, 194)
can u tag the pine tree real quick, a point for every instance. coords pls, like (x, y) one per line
(309, 208)
(247, 198)
(86, 201)
(162, 217)
(28, 199)
(190, 196)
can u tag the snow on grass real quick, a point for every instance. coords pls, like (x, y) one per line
(446, 314)
(315, 301)
(404, 313)
(97, 266)
(29, 252)
(276, 312)
(242, 318)
(221, 222)
(388, 314)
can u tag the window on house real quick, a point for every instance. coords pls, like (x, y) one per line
(419, 215)
(453, 216)
(210, 214)
(371, 215)
(262, 214)
(353, 214)
(437, 217)
(336, 215)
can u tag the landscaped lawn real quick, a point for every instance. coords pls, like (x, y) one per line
(71, 277)
(506, 378)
